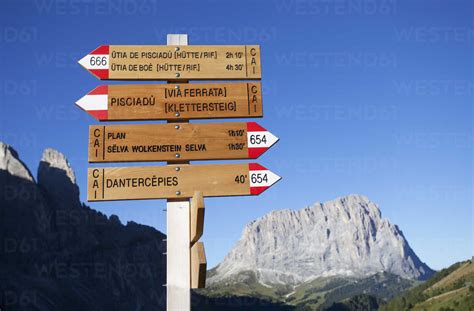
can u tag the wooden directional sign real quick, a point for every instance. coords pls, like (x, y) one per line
(177, 181)
(184, 141)
(198, 266)
(197, 217)
(167, 62)
(173, 101)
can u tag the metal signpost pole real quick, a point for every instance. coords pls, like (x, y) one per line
(178, 265)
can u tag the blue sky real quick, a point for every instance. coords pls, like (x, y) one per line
(367, 96)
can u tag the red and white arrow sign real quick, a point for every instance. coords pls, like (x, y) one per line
(97, 62)
(261, 178)
(96, 103)
(259, 140)
(164, 62)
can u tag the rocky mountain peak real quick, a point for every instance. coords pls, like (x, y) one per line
(10, 162)
(343, 237)
(56, 175)
(55, 159)
(74, 257)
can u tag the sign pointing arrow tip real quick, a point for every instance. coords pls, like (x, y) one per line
(261, 178)
(259, 139)
(97, 62)
(95, 103)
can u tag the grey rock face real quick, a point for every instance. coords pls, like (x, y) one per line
(10, 162)
(55, 159)
(56, 175)
(343, 237)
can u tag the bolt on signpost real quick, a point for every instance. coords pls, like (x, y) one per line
(178, 141)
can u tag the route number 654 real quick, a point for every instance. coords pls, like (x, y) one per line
(258, 178)
(257, 139)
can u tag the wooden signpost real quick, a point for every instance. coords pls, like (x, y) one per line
(177, 181)
(185, 141)
(198, 266)
(178, 141)
(173, 101)
(197, 217)
(165, 62)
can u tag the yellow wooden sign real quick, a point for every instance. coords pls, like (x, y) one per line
(197, 217)
(198, 266)
(177, 181)
(178, 141)
(173, 101)
(167, 62)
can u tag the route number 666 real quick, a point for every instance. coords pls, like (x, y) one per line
(98, 61)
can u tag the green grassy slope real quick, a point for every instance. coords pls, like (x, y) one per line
(449, 289)
(317, 294)
(323, 293)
